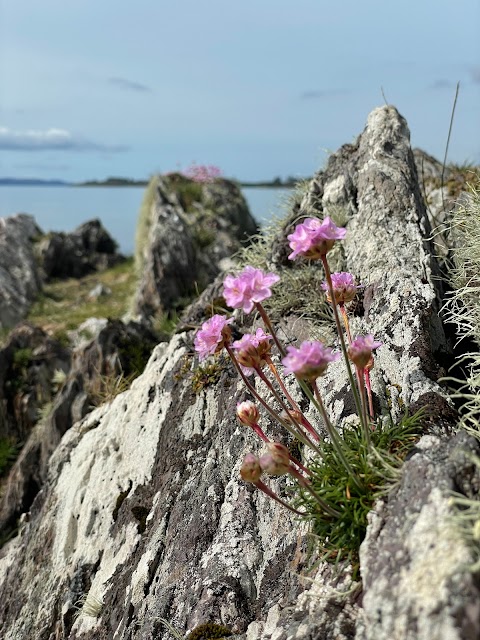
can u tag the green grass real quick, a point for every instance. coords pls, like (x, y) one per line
(377, 468)
(8, 453)
(144, 223)
(65, 304)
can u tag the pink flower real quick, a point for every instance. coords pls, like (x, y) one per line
(360, 350)
(251, 470)
(344, 287)
(251, 350)
(212, 336)
(247, 413)
(314, 238)
(251, 286)
(309, 361)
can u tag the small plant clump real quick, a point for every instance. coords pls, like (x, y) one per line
(209, 631)
(346, 472)
(8, 454)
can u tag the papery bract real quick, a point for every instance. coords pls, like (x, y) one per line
(314, 238)
(360, 350)
(213, 336)
(250, 470)
(252, 349)
(309, 361)
(344, 287)
(250, 286)
(247, 413)
(274, 465)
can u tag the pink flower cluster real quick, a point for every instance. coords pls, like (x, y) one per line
(202, 172)
(314, 238)
(212, 336)
(309, 361)
(360, 350)
(250, 286)
(251, 350)
(344, 287)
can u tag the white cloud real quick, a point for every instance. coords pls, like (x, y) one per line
(50, 140)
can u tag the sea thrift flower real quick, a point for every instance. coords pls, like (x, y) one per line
(314, 238)
(250, 286)
(250, 470)
(247, 413)
(360, 350)
(251, 350)
(344, 287)
(309, 361)
(213, 336)
(274, 465)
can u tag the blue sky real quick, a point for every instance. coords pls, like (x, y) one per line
(259, 87)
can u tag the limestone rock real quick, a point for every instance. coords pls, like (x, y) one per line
(192, 228)
(20, 282)
(142, 509)
(72, 255)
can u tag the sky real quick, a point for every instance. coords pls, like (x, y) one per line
(259, 88)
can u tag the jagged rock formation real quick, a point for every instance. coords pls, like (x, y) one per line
(192, 227)
(143, 509)
(100, 368)
(73, 255)
(20, 282)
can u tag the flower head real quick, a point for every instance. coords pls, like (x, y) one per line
(250, 286)
(213, 336)
(252, 349)
(251, 470)
(360, 350)
(274, 465)
(344, 287)
(314, 238)
(309, 361)
(247, 413)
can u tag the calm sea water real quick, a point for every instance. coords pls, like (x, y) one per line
(64, 208)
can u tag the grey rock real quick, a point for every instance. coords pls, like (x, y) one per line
(87, 249)
(99, 291)
(20, 280)
(142, 507)
(187, 241)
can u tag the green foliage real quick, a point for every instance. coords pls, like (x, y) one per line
(209, 631)
(22, 358)
(65, 304)
(377, 468)
(189, 192)
(208, 374)
(8, 454)
(144, 223)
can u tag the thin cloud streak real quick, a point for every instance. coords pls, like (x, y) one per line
(51, 140)
(129, 85)
(322, 93)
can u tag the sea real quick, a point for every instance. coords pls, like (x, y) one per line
(64, 208)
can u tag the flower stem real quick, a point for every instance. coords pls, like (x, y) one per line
(361, 383)
(270, 328)
(355, 390)
(263, 487)
(324, 505)
(297, 432)
(295, 406)
(368, 385)
(343, 311)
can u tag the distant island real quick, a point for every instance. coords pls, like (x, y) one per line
(32, 182)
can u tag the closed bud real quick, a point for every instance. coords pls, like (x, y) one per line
(247, 413)
(279, 452)
(274, 465)
(251, 470)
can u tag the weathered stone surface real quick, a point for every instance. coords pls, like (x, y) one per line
(19, 278)
(72, 255)
(99, 370)
(142, 507)
(188, 239)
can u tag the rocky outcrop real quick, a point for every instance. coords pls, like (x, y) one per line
(101, 368)
(19, 278)
(143, 511)
(192, 227)
(73, 255)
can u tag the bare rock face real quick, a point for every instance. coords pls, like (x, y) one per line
(192, 228)
(143, 511)
(73, 255)
(99, 370)
(20, 282)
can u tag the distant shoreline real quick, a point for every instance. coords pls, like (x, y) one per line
(33, 182)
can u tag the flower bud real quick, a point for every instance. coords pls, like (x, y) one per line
(279, 452)
(247, 413)
(273, 465)
(251, 470)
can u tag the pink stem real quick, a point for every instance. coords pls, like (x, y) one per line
(263, 487)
